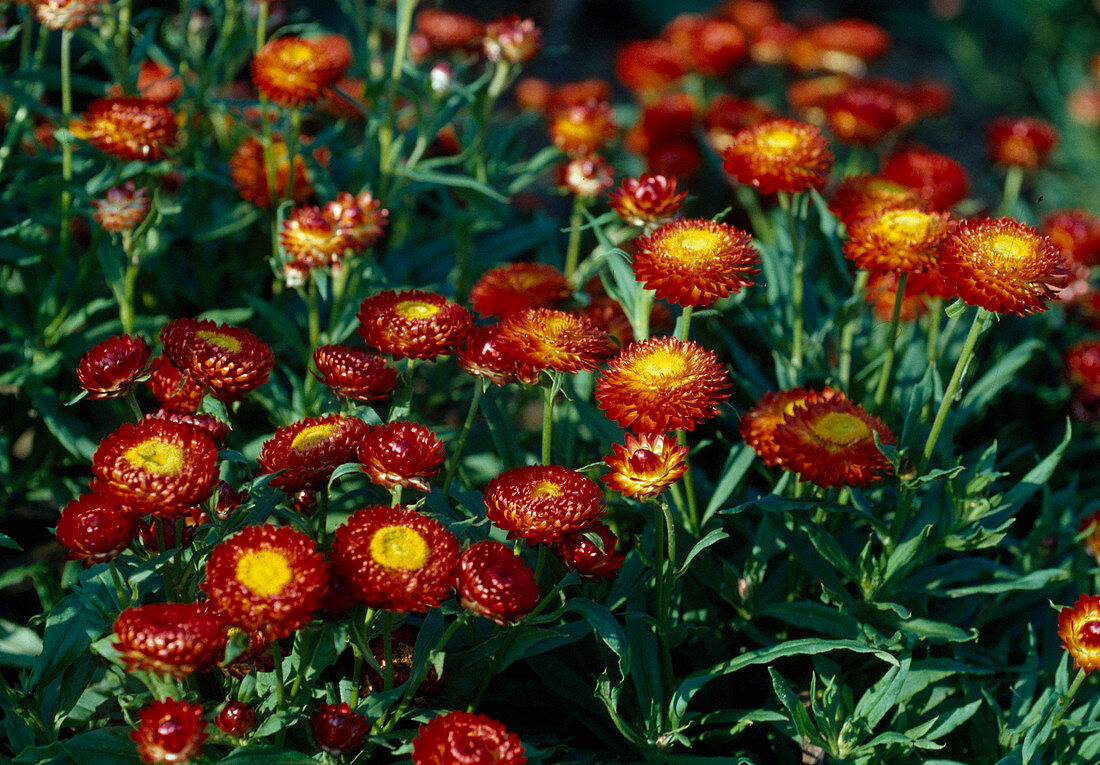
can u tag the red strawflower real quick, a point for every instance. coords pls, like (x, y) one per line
(843, 45)
(547, 339)
(882, 289)
(236, 719)
(218, 430)
(336, 729)
(169, 731)
(896, 239)
(402, 654)
(228, 360)
(648, 199)
(646, 466)
(396, 558)
(128, 128)
(174, 639)
(867, 111)
(95, 528)
(412, 324)
(267, 579)
(447, 30)
(862, 196)
(595, 562)
(725, 115)
(772, 43)
(662, 384)
(779, 155)
(1079, 629)
(305, 454)
(111, 367)
(1020, 141)
(481, 356)
(582, 129)
(1076, 233)
(158, 83)
(401, 454)
(750, 15)
(354, 373)
(292, 71)
(1081, 364)
(515, 287)
(650, 66)
(587, 176)
(249, 173)
(940, 179)
(542, 503)
(712, 46)
(512, 39)
(172, 388)
(457, 738)
(122, 208)
(495, 583)
(358, 220)
(309, 240)
(758, 425)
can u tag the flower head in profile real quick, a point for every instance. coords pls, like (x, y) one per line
(122, 207)
(461, 737)
(863, 196)
(515, 287)
(1079, 629)
(401, 453)
(172, 388)
(695, 262)
(481, 356)
(586, 176)
(169, 731)
(235, 719)
(1020, 141)
(174, 639)
(305, 454)
(267, 578)
(309, 240)
(896, 239)
(248, 171)
(662, 384)
(543, 503)
(1002, 265)
(357, 219)
(594, 560)
(336, 729)
(353, 373)
(648, 67)
(495, 583)
(110, 368)
(396, 558)
(646, 465)
(412, 324)
(513, 39)
(95, 528)
(940, 180)
(647, 199)
(831, 442)
(544, 338)
(779, 155)
(448, 30)
(230, 361)
(128, 128)
(292, 71)
(156, 466)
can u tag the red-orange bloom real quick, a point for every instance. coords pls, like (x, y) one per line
(292, 71)
(95, 528)
(1002, 265)
(515, 287)
(547, 339)
(713, 46)
(758, 425)
(1081, 364)
(267, 578)
(396, 558)
(595, 562)
(695, 262)
(1020, 141)
(882, 289)
(158, 83)
(170, 638)
(862, 196)
(128, 128)
(464, 737)
(306, 453)
(156, 466)
(401, 454)
(1076, 233)
(646, 466)
(1079, 629)
(543, 503)
(357, 219)
(412, 324)
(662, 384)
(495, 583)
(236, 719)
(481, 356)
(122, 208)
(649, 66)
(169, 731)
(867, 111)
(354, 373)
(336, 729)
(726, 115)
(843, 45)
(172, 388)
(897, 239)
(647, 199)
(779, 155)
(832, 443)
(309, 240)
(940, 179)
(587, 176)
(581, 129)
(110, 368)
(228, 360)
(218, 430)
(512, 39)
(249, 173)
(447, 30)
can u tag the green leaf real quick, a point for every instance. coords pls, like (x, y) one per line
(797, 712)
(883, 695)
(606, 628)
(9, 543)
(450, 179)
(96, 747)
(19, 645)
(70, 628)
(737, 464)
(1036, 478)
(955, 309)
(715, 536)
(1000, 375)
(262, 754)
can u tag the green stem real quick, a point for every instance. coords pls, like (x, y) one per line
(402, 401)
(685, 324)
(120, 588)
(388, 129)
(66, 145)
(848, 333)
(689, 488)
(360, 648)
(953, 387)
(549, 391)
(798, 267)
(456, 454)
(126, 294)
(395, 496)
(1063, 703)
(387, 649)
(494, 667)
(1014, 181)
(261, 26)
(664, 554)
(643, 309)
(280, 684)
(314, 322)
(291, 151)
(750, 203)
(573, 248)
(122, 47)
(135, 410)
(891, 343)
(935, 319)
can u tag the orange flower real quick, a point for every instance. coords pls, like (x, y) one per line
(515, 287)
(358, 220)
(305, 454)
(396, 558)
(646, 199)
(309, 240)
(481, 356)
(156, 466)
(862, 196)
(1079, 629)
(172, 388)
(1076, 233)
(695, 262)
(447, 30)
(122, 208)
(940, 179)
(111, 367)
(868, 111)
(512, 39)
(354, 373)
(401, 454)
(459, 736)
(249, 173)
(128, 128)
(662, 384)
(228, 360)
(645, 466)
(896, 239)
(267, 579)
(650, 66)
(726, 115)
(713, 46)
(1002, 265)
(843, 45)
(1020, 141)
(412, 324)
(95, 528)
(1081, 363)
(830, 442)
(549, 339)
(577, 552)
(758, 425)
(495, 583)
(169, 731)
(158, 83)
(292, 71)
(174, 639)
(542, 503)
(581, 129)
(779, 155)
(1090, 527)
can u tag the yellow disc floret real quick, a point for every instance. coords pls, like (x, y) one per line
(399, 547)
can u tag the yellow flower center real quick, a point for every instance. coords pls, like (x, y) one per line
(416, 310)
(840, 428)
(158, 457)
(911, 223)
(1008, 249)
(264, 572)
(546, 488)
(399, 547)
(662, 364)
(310, 437)
(226, 342)
(297, 53)
(694, 243)
(780, 140)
